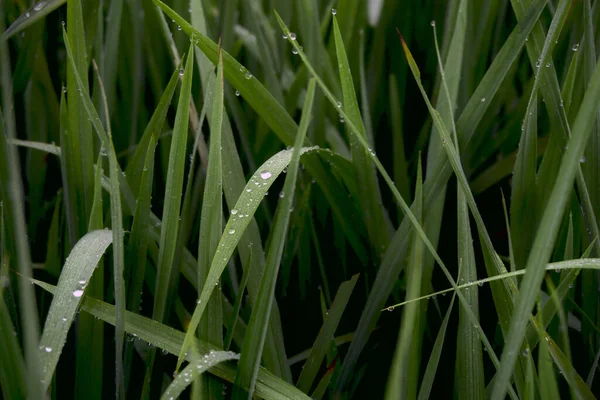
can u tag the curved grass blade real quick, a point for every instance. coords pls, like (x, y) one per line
(194, 369)
(241, 215)
(75, 275)
(370, 194)
(164, 337)
(273, 113)
(38, 11)
(211, 230)
(115, 211)
(322, 342)
(254, 341)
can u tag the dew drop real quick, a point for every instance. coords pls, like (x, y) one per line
(333, 11)
(432, 23)
(48, 349)
(39, 6)
(237, 93)
(234, 211)
(78, 293)
(281, 195)
(339, 104)
(483, 99)
(231, 231)
(180, 71)
(284, 36)
(294, 51)
(575, 47)
(178, 27)
(248, 75)
(582, 159)
(265, 174)
(292, 36)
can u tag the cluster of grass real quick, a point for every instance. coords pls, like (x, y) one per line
(411, 149)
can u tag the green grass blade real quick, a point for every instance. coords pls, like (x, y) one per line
(434, 358)
(173, 193)
(231, 326)
(135, 167)
(321, 344)
(80, 140)
(11, 192)
(164, 337)
(37, 12)
(241, 215)
(404, 372)
(76, 273)
(370, 195)
(137, 247)
(90, 331)
(115, 211)
(12, 365)
(211, 229)
(194, 369)
(252, 348)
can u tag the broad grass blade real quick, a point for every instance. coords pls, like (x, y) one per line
(37, 12)
(75, 275)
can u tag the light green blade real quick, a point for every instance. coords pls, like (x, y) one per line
(75, 275)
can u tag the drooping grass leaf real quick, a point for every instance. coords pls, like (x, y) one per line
(194, 369)
(75, 275)
(37, 12)
(268, 386)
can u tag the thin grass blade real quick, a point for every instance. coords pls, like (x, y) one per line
(252, 348)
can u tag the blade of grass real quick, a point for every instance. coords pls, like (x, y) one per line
(404, 372)
(75, 275)
(238, 304)
(322, 342)
(12, 365)
(115, 211)
(370, 195)
(434, 358)
(195, 369)
(268, 386)
(252, 348)
(211, 229)
(80, 139)
(242, 214)
(11, 192)
(37, 12)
